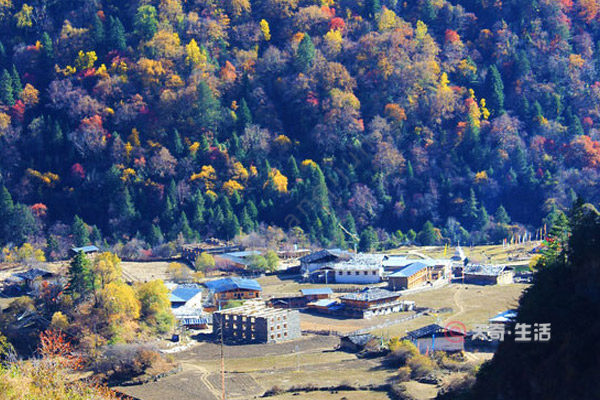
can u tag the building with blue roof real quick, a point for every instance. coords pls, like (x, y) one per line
(188, 295)
(233, 288)
(85, 249)
(414, 274)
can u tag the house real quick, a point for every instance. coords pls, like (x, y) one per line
(87, 250)
(323, 305)
(393, 263)
(356, 343)
(411, 276)
(433, 337)
(187, 295)
(233, 288)
(256, 323)
(316, 293)
(237, 260)
(306, 296)
(30, 276)
(360, 269)
(191, 251)
(320, 259)
(438, 268)
(372, 302)
(505, 317)
(487, 274)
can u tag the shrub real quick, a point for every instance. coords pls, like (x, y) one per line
(421, 366)
(404, 374)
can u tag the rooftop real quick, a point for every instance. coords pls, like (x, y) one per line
(361, 261)
(433, 329)
(359, 340)
(504, 317)
(317, 255)
(33, 273)
(255, 309)
(371, 294)
(409, 270)
(484, 270)
(85, 249)
(183, 293)
(316, 291)
(323, 303)
(233, 283)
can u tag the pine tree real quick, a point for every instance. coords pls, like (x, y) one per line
(156, 236)
(184, 228)
(80, 232)
(97, 32)
(178, 147)
(501, 216)
(6, 89)
(7, 207)
(293, 172)
(16, 82)
(80, 276)
(368, 239)
(495, 89)
(52, 248)
(482, 218)
(427, 236)
(471, 210)
(96, 236)
(232, 225)
(305, 54)
(372, 8)
(245, 221)
(244, 115)
(209, 109)
(47, 47)
(428, 11)
(116, 34)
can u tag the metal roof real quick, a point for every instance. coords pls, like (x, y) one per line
(323, 303)
(316, 291)
(337, 253)
(371, 294)
(359, 340)
(234, 283)
(183, 293)
(484, 270)
(33, 273)
(85, 249)
(505, 316)
(243, 254)
(409, 270)
(433, 329)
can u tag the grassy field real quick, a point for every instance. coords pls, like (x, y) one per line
(514, 254)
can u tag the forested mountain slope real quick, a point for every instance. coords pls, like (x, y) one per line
(151, 118)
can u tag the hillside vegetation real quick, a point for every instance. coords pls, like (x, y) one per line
(422, 121)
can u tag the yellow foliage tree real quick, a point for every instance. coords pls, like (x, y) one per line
(30, 95)
(85, 60)
(107, 269)
(24, 17)
(277, 180)
(333, 41)
(264, 28)
(232, 186)
(388, 20)
(118, 302)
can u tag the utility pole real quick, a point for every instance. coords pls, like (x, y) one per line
(222, 361)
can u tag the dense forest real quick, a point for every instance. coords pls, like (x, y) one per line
(336, 122)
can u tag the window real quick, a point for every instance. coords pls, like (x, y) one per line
(272, 328)
(278, 335)
(278, 327)
(366, 272)
(284, 326)
(348, 273)
(374, 272)
(357, 273)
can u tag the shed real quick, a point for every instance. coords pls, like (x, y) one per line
(85, 249)
(356, 343)
(234, 288)
(189, 295)
(316, 293)
(437, 338)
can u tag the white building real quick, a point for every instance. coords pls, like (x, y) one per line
(361, 269)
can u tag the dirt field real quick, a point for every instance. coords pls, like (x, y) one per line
(145, 271)
(337, 395)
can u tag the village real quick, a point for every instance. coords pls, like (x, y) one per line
(244, 333)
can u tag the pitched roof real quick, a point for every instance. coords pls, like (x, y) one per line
(33, 273)
(183, 293)
(484, 270)
(504, 317)
(371, 294)
(316, 291)
(234, 283)
(336, 253)
(409, 270)
(85, 249)
(323, 303)
(432, 329)
(359, 340)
